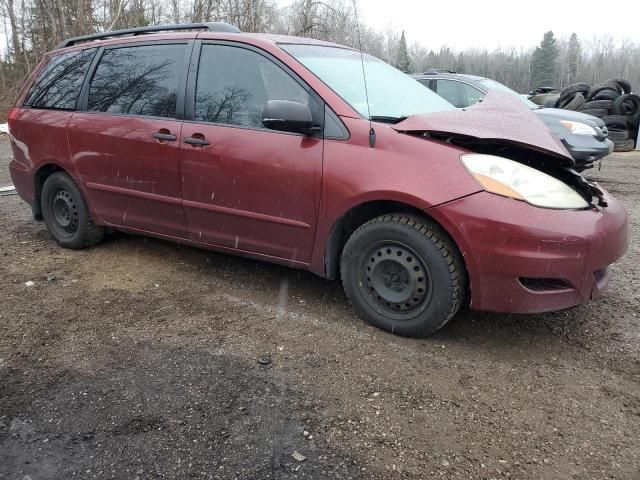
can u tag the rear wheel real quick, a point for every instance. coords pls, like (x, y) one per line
(403, 274)
(66, 214)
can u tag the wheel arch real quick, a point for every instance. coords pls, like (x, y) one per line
(356, 216)
(42, 173)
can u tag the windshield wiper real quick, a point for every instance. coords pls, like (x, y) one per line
(386, 119)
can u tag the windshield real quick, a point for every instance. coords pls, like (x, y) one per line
(391, 93)
(492, 84)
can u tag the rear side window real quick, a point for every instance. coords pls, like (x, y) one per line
(138, 80)
(458, 93)
(58, 85)
(234, 84)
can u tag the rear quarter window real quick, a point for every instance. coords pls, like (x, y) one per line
(58, 85)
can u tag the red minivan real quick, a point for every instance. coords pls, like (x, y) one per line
(309, 154)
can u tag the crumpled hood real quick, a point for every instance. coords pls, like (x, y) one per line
(498, 119)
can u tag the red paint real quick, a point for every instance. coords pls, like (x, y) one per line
(132, 178)
(277, 196)
(254, 190)
(504, 239)
(41, 140)
(497, 116)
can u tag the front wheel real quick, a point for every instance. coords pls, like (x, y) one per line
(66, 214)
(403, 274)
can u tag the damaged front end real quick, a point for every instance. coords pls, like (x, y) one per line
(552, 166)
(502, 126)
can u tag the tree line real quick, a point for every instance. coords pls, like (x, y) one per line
(33, 27)
(555, 62)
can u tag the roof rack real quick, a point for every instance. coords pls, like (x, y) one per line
(210, 26)
(434, 71)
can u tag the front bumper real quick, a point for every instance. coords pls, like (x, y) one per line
(587, 149)
(508, 244)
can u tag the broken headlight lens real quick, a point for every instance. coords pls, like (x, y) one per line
(578, 128)
(512, 179)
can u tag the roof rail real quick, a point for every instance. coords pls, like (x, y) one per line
(210, 26)
(434, 71)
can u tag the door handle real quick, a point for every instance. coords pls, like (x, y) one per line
(166, 137)
(197, 142)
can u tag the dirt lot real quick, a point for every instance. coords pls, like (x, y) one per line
(138, 359)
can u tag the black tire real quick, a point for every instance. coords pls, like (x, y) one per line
(618, 135)
(602, 87)
(572, 103)
(624, 85)
(627, 105)
(615, 121)
(604, 104)
(606, 95)
(403, 274)
(568, 91)
(596, 112)
(624, 146)
(66, 215)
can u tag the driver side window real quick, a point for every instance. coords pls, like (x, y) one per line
(234, 84)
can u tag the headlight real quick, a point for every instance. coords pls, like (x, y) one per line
(512, 179)
(578, 128)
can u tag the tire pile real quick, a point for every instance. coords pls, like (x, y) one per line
(613, 102)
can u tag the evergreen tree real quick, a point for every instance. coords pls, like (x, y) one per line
(573, 56)
(544, 62)
(402, 62)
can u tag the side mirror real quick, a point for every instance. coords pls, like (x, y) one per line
(288, 116)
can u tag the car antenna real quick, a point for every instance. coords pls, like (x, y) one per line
(372, 132)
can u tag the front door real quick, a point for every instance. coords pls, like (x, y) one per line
(246, 187)
(126, 142)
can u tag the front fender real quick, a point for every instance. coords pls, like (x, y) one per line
(413, 172)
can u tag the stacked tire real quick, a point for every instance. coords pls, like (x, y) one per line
(613, 102)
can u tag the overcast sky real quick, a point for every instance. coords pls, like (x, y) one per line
(491, 24)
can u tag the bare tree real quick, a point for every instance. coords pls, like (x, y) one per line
(32, 27)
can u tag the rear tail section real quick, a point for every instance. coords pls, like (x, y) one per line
(12, 114)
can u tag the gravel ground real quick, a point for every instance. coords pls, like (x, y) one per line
(138, 359)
